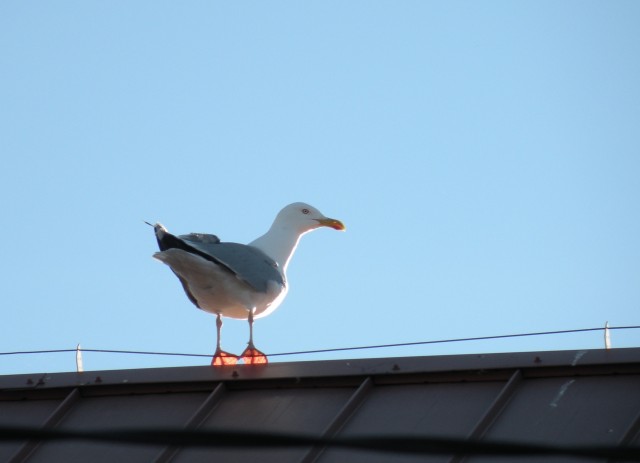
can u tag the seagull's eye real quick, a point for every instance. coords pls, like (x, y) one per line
(305, 211)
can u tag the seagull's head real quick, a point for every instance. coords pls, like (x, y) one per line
(304, 218)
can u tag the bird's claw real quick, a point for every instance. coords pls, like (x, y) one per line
(222, 358)
(252, 356)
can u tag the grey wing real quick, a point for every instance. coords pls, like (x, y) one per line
(202, 238)
(248, 263)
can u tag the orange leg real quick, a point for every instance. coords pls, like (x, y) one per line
(251, 355)
(220, 357)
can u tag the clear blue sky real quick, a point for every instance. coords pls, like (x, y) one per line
(485, 157)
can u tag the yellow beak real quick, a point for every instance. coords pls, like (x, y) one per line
(332, 223)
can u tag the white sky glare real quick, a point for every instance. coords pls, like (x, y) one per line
(484, 156)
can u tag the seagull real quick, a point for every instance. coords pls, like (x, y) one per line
(236, 280)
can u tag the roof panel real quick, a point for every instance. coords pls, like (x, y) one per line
(128, 411)
(19, 413)
(437, 410)
(296, 410)
(597, 410)
(571, 410)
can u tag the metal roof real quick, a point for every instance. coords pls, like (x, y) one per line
(562, 397)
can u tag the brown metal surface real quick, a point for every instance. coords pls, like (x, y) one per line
(341, 418)
(195, 421)
(52, 420)
(23, 413)
(531, 362)
(569, 398)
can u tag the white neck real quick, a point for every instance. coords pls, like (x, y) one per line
(279, 243)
